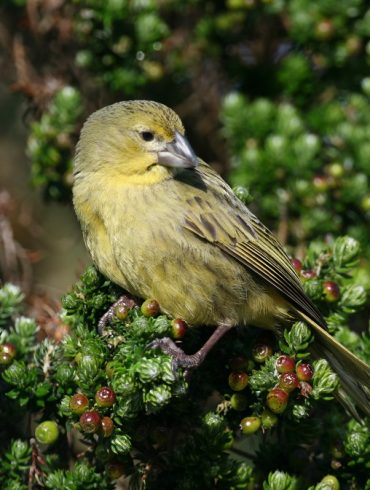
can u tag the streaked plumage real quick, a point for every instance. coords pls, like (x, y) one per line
(162, 224)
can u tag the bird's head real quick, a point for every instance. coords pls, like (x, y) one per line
(140, 141)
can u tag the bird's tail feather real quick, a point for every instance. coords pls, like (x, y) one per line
(354, 373)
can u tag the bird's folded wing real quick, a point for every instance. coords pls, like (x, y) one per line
(220, 218)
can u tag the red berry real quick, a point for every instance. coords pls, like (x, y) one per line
(150, 307)
(261, 352)
(107, 426)
(250, 425)
(121, 312)
(239, 402)
(306, 389)
(238, 381)
(277, 400)
(304, 371)
(308, 274)
(285, 364)
(331, 291)
(179, 328)
(268, 419)
(79, 403)
(288, 381)
(90, 421)
(238, 364)
(105, 397)
(297, 264)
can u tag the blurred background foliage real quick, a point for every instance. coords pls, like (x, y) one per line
(274, 94)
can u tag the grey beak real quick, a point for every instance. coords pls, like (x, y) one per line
(178, 153)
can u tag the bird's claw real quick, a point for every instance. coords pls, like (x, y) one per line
(179, 358)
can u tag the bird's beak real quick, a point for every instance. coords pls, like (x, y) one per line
(178, 153)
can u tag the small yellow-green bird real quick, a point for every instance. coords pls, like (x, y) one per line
(162, 224)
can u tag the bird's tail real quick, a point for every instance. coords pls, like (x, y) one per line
(354, 373)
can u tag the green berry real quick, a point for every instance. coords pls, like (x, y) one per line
(285, 364)
(47, 432)
(336, 170)
(150, 307)
(331, 291)
(268, 419)
(365, 201)
(105, 397)
(250, 425)
(304, 371)
(277, 400)
(331, 481)
(288, 381)
(238, 381)
(261, 352)
(121, 312)
(79, 403)
(107, 426)
(5, 359)
(239, 402)
(90, 421)
(179, 328)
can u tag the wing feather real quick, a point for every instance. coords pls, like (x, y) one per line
(236, 231)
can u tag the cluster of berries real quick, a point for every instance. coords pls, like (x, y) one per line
(290, 376)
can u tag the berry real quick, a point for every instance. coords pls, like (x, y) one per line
(79, 403)
(150, 307)
(107, 426)
(268, 419)
(8, 348)
(105, 397)
(239, 402)
(179, 328)
(288, 381)
(121, 312)
(304, 371)
(285, 364)
(5, 359)
(277, 400)
(321, 183)
(336, 170)
(365, 202)
(250, 425)
(47, 432)
(331, 482)
(297, 265)
(238, 381)
(90, 421)
(308, 274)
(324, 30)
(261, 352)
(331, 291)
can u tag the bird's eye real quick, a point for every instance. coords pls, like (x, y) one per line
(147, 136)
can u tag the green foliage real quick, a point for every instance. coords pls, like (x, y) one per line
(159, 413)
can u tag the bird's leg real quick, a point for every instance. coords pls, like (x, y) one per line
(126, 301)
(183, 360)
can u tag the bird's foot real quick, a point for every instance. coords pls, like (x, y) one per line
(179, 358)
(125, 302)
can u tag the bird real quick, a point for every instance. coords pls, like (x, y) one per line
(161, 223)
